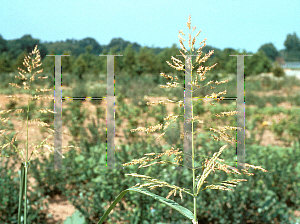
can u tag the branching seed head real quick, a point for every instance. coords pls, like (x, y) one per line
(28, 76)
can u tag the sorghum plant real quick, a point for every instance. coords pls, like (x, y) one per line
(31, 62)
(209, 165)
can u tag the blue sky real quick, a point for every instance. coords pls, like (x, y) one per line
(239, 24)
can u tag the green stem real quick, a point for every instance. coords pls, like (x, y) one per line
(193, 151)
(25, 189)
(26, 162)
(21, 192)
(27, 126)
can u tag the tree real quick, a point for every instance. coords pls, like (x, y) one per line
(80, 67)
(221, 58)
(146, 61)
(231, 64)
(5, 65)
(118, 61)
(164, 56)
(218, 59)
(95, 46)
(292, 48)
(258, 63)
(89, 57)
(119, 43)
(270, 51)
(68, 45)
(26, 44)
(292, 43)
(129, 60)
(3, 44)
(66, 61)
(294, 56)
(49, 63)
(19, 61)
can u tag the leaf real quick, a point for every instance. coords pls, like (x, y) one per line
(23, 189)
(184, 211)
(79, 158)
(76, 218)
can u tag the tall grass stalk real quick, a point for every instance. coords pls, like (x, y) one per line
(209, 165)
(31, 63)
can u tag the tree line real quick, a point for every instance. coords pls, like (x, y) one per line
(137, 60)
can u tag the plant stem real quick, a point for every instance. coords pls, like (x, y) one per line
(26, 162)
(21, 193)
(193, 152)
(27, 127)
(25, 202)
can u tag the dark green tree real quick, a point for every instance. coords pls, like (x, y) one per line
(253, 65)
(225, 59)
(218, 59)
(88, 57)
(19, 61)
(68, 45)
(99, 65)
(49, 63)
(221, 58)
(258, 63)
(66, 62)
(146, 61)
(293, 56)
(26, 44)
(292, 48)
(5, 65)
(129, 60)
(79, 67)
(227, 52)
(231, 64)
(270, 51)
(292, 43)
(164, 56)
(118, 43)
(3, 44)
(95, 46)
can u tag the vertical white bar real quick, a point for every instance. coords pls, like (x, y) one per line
(57, 115)
(240, 104)
(110, 113)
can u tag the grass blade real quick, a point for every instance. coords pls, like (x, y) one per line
(187, 213)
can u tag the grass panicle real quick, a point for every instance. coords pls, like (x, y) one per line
(27, 77)
(31, 62)
(209, 165)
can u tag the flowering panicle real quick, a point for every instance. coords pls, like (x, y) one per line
(209, 165)
(31, 62)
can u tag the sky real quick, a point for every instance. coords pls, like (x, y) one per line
(238, 24)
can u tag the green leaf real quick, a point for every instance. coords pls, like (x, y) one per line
(187, 213)
(79, 158)
(23, 191)
(76, 218)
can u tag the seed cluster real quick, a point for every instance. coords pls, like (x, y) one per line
(209, 165)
